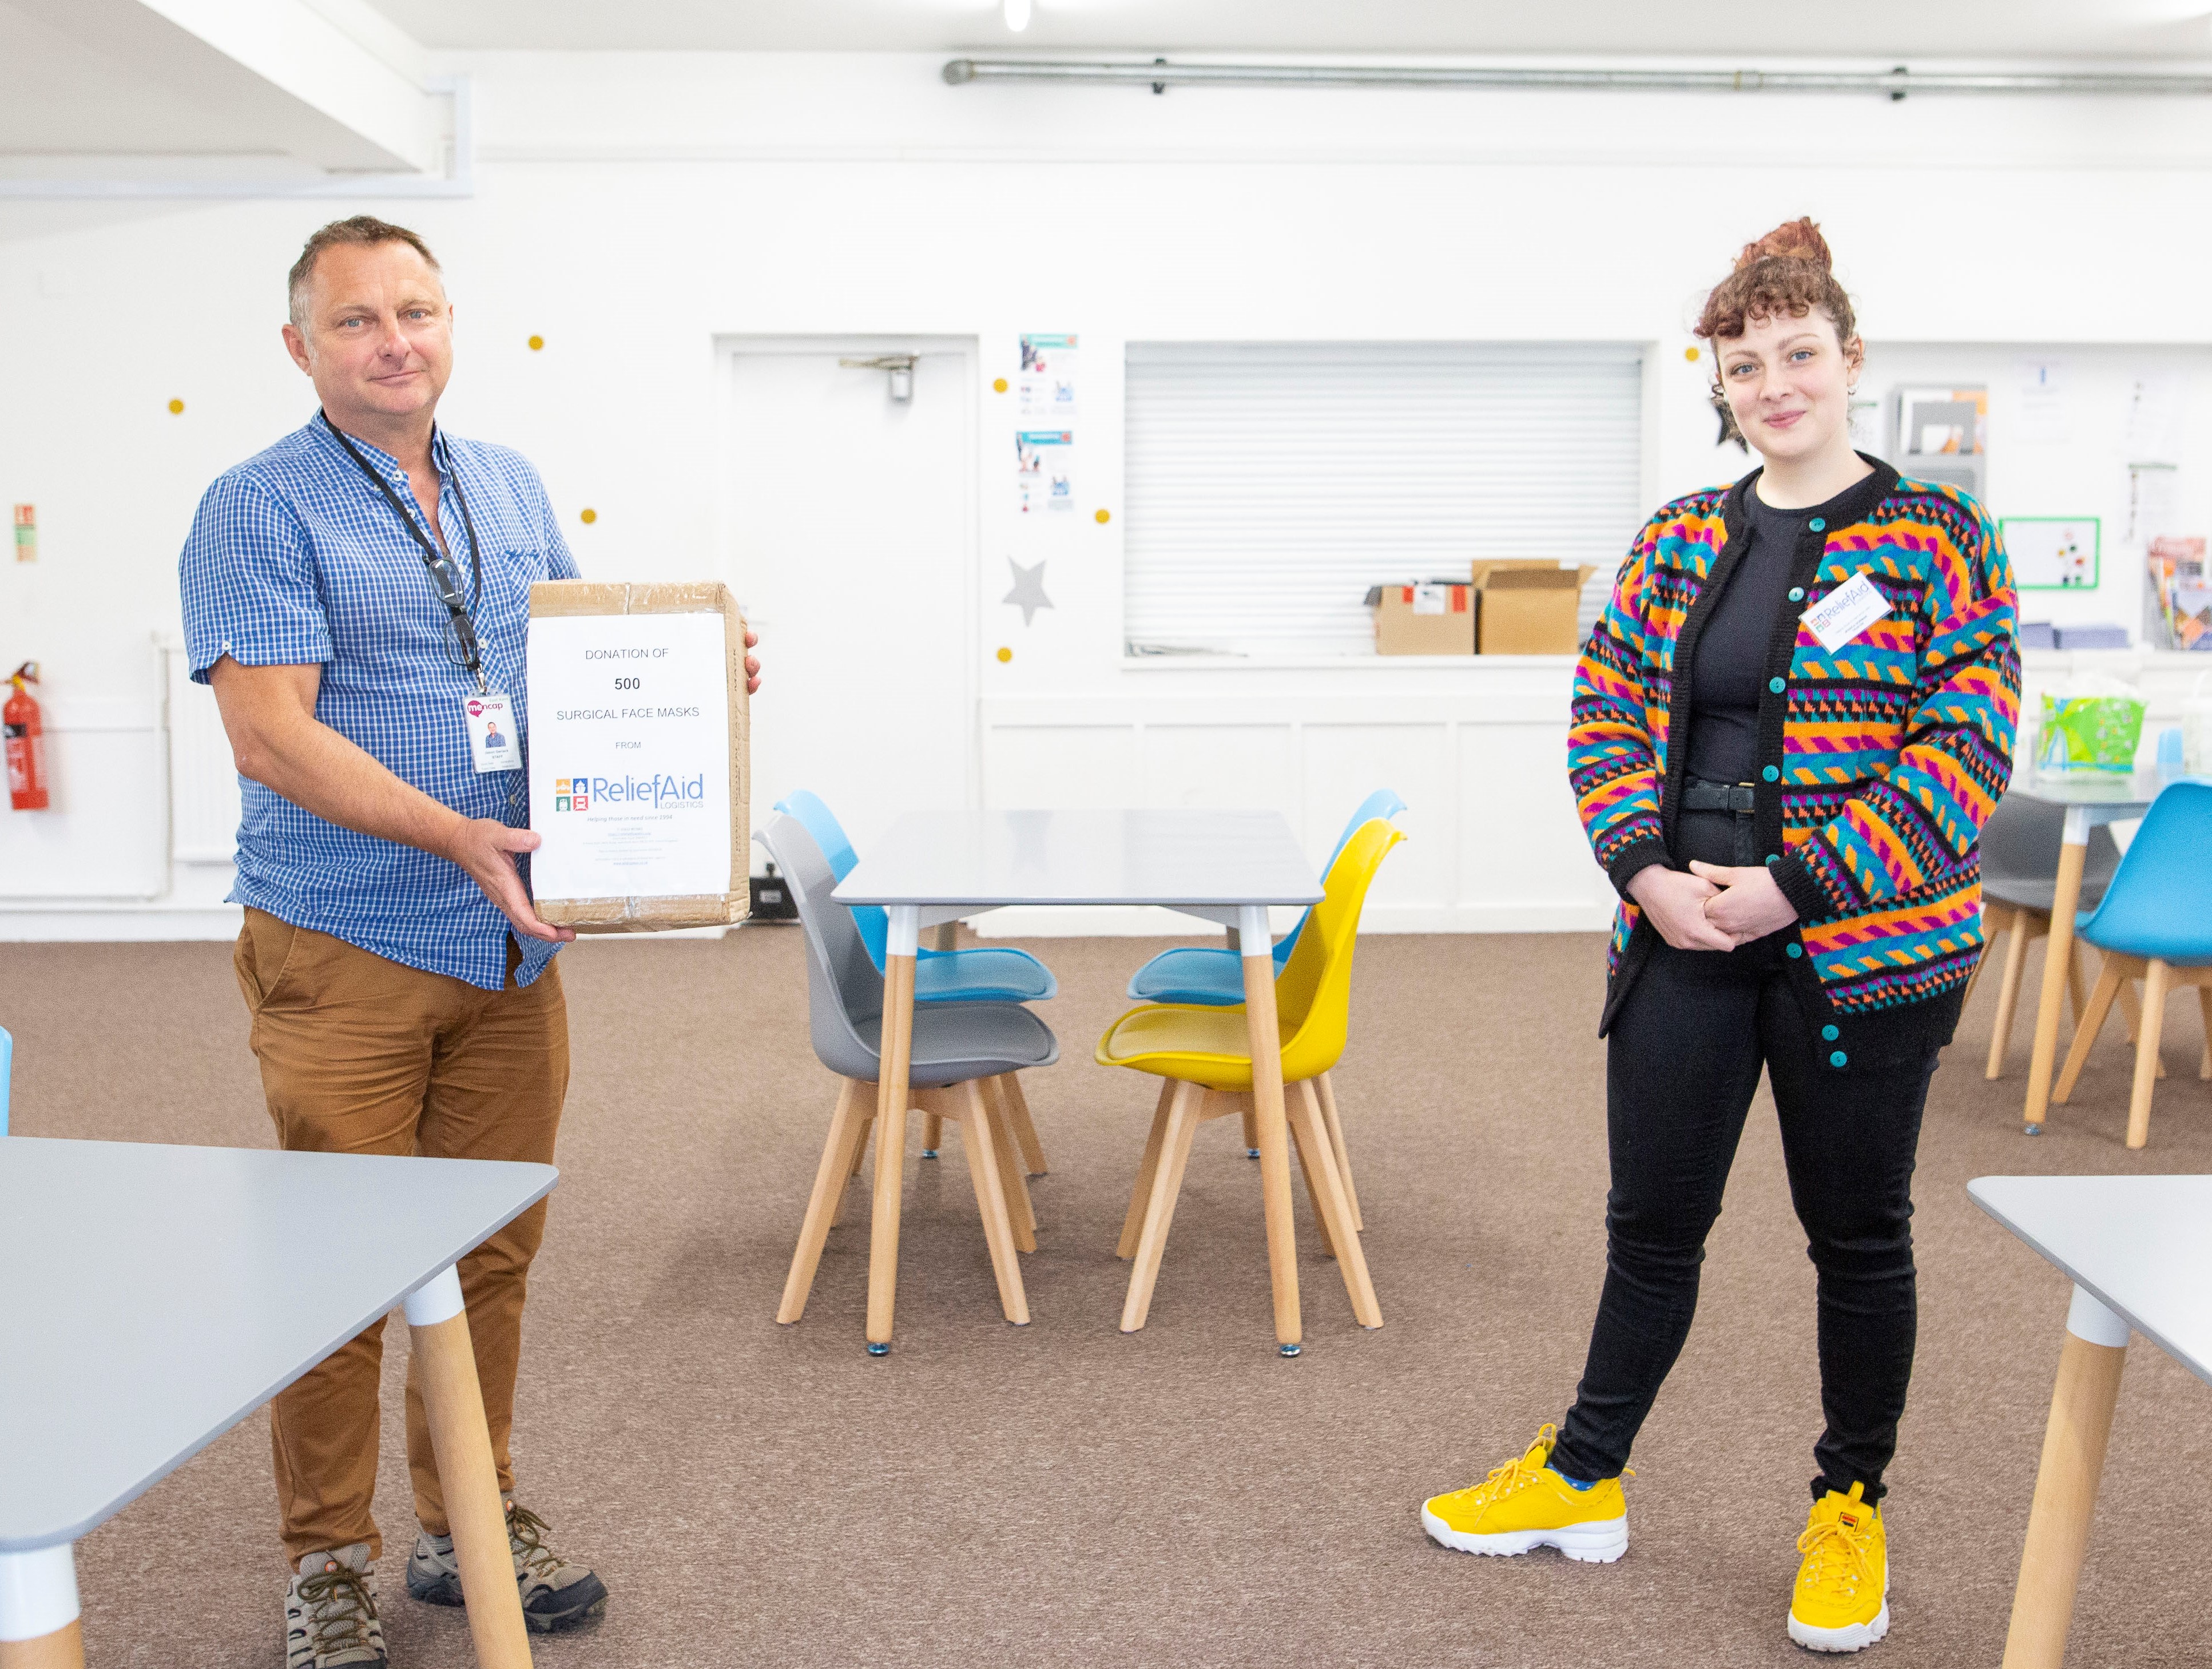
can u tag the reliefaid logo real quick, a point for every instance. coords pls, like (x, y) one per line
(663, 791)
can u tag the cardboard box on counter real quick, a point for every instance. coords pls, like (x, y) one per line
(1529, 607)
(1434, 618)
(639, 751)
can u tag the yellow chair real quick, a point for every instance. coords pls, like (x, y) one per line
(1203, 1054)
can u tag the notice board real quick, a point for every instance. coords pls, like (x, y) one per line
(640, 755)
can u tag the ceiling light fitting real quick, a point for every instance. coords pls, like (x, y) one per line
(1159, 75)
(1017, 14)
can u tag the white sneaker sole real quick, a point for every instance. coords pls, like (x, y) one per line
(1599, 1542)
(1855, 1638)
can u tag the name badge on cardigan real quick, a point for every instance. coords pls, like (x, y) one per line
(1845, 612)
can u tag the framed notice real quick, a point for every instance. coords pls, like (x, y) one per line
(2053, 552)
(639, 756)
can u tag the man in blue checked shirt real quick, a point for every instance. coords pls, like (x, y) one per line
(358, 596)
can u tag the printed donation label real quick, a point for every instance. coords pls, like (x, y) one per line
(1845, 612)
(629, 755)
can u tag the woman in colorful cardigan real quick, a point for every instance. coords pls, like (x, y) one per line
(1788, 729)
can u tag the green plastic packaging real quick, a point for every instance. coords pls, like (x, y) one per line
(2090, 733)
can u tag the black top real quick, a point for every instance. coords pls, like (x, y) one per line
(1729, 676)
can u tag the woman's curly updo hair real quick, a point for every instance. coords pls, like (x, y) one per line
(1787, 271)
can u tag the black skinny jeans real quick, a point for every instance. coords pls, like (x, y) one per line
(1686, 1051)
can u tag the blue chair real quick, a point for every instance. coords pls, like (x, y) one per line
(7, 1064)
(1212, 976)
(2155, 925)
(983, 974)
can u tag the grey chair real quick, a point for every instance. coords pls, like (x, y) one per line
(963, 1055)
(2019, 883)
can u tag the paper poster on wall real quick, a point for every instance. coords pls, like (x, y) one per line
(2052, 552)
(1943, 420)
(2045, 411)
(2157, 402)
(1047, 390)
(1044, 470)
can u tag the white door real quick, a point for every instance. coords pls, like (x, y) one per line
(851, 519)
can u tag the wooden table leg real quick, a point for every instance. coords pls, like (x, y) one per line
(39, 1624)
(1264, 1030)
(2057, 955)
(2066, 1484)
(446, 1364)
(898, 1043)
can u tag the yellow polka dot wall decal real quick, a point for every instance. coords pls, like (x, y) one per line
(176, 408)
(998, 385)
(1105, 516)
(1690, 354)
(590, 517)
(1005, 654)
(536, 343)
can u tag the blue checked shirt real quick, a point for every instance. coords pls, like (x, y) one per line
(295, 559)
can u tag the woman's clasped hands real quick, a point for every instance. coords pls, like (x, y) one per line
(1712, 907)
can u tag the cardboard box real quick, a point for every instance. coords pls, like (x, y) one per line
(639, 756)
(1530, 607)
(1437, 618)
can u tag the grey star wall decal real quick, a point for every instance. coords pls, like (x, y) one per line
(1029, 590)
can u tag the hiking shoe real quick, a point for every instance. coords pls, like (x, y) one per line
(1841, 1602)
(555, 1593)
(1524, 1504)
(330, 1612)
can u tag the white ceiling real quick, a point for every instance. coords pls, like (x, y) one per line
(1916, 28)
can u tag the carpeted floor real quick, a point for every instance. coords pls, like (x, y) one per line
(1063, 1495)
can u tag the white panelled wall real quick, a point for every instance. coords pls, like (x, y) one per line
(648, 215)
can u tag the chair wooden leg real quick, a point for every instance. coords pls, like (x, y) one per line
(1330, 1205)
(2110, 983)
(2204, 1008)
(2015, 962)
(2130, 1009)
(1316, 1186)
(1992, 931)
(1327, 1090)
(2154, 1022)
(849, 1128)
(932, 1135)
(1019, 1210)
(1016, 1107)
(991, 1201)
(2075, 991)
(1139, 1195)
(1251, 1132)
(1159, 1207)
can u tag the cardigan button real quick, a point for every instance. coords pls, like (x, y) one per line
(1793, 952)
(1838, 1058)
(1773, 773)
(1830, 1033)
(1797, 594)
(1818, 524)
(1776, 684)
(1774, 857)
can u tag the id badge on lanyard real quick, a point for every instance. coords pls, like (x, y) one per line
(488, 716)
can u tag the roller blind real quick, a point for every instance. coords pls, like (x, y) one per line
(1269, 486)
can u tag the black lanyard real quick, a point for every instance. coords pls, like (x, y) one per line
(444, 578)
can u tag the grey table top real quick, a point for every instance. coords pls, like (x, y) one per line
(151, 1297)
(1092, 857)
(2140, 1245)
(2089, 788)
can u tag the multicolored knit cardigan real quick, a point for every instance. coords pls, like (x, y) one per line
(1879, 762)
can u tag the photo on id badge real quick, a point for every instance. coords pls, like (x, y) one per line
(491, 733)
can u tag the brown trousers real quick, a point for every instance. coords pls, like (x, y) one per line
(361, 1055)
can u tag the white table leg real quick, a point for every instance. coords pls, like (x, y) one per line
(446, 1365)
(2066, 1484)
(2058, 961)
(896, 1043)
(1273, 1128)
(39, 1626)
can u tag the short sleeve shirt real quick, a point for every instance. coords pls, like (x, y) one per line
(295, 558)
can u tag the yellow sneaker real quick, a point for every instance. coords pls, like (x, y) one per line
(1841, 1603)
(1524, 1504)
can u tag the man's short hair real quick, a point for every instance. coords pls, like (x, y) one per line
(360, 231)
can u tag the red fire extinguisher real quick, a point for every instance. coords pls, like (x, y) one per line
(26, 750)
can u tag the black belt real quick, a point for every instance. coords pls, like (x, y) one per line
(1700, 795)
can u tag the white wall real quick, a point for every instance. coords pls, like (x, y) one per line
(632, 209)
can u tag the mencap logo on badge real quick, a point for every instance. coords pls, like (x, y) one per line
(475, 708)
